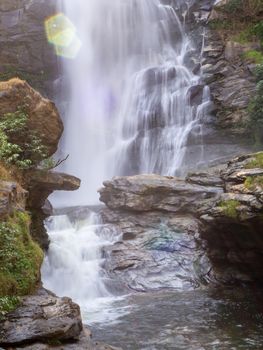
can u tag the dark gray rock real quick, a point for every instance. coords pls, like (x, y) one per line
(41, 317)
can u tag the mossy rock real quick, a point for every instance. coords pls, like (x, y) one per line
(252, 182)
(229, 208)
(20, 257)
(256, 161)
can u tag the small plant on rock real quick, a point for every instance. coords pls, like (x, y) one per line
(20, 146)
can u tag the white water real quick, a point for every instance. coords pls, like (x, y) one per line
(72, 266)
(129, 110)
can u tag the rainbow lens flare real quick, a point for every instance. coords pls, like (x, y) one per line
(62, 33)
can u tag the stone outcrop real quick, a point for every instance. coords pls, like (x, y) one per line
(25, 51)
(228, 74)
(42, 183)
(43, 116)
(233, 225)
(223, 221)
(154, 192)
(44, 321)
(43, 317)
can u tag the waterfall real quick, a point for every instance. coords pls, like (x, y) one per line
(73, 265)
(135, 106)
(130, 109)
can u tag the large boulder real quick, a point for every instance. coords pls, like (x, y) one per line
(43, 116)
(42, 317)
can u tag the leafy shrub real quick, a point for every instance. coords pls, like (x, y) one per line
(258, 30)
(259, 72)
(20, 146)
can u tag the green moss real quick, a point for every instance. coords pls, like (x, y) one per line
(20, 257)
(8, 304)
(229, 208)
(253, 181)
(256, 162)
(255, 56)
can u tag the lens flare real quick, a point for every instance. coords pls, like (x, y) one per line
(62, 33)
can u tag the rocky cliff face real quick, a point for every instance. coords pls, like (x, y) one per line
(223, 66)
(226, 70)
(25, 51)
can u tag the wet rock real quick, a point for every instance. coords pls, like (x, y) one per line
(42, 183)
(156, 250)
(154, 192)
(41, 317)
(43, 116)
(195, 94)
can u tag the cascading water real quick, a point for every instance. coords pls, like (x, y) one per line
(130, 111)
(130, 107)
(72, 266)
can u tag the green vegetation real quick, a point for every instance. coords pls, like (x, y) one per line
(229, 208)
(20, 257)
(252, 182)
(27, 150)
(8, 304)
(242, 20)
(243, 9)
(254, 56)
(256, 162)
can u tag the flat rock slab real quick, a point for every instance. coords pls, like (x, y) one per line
(42, 317)
(155, 192)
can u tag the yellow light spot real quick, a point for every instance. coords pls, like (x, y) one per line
(70, 51)
(61, 33)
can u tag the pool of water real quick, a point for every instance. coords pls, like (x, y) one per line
(191, 320)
